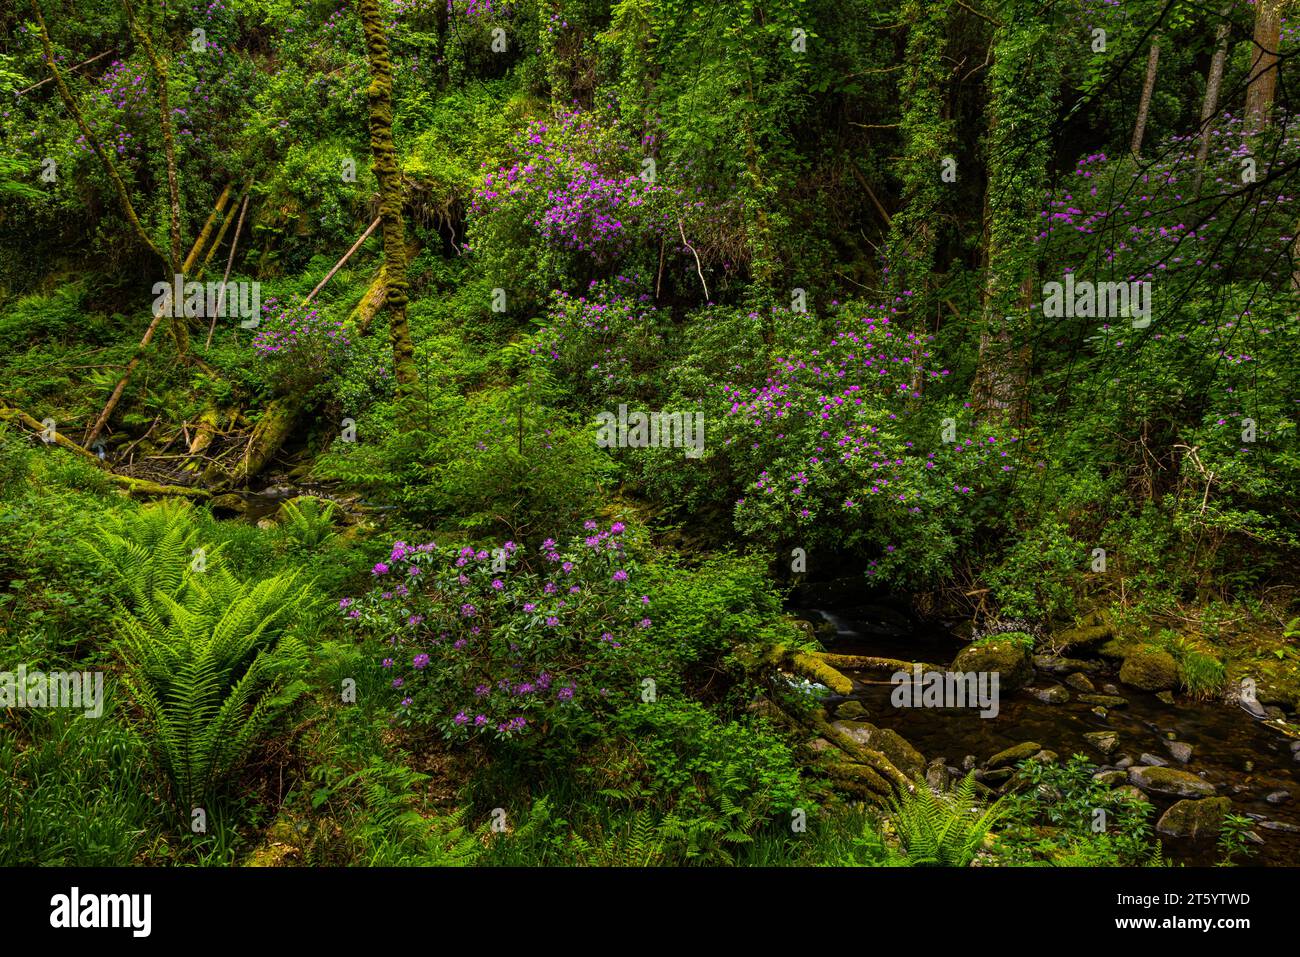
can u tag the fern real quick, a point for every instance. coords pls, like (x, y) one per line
(207, 658)
(943, 829)
(308, 521)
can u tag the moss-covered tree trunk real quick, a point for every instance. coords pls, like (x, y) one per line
(927, 142)
(1023, 85)
(380, 95)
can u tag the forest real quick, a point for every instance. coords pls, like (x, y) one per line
(631, 433)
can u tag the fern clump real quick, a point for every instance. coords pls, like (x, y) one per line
(944, 829)
(208, 660)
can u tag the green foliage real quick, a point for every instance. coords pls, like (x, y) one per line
(943, 829)
(308, 522)
(1232, 841)
(209, 661)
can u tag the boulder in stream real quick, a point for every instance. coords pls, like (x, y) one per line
(1170, 781)
(1056, 694)
(1013, 755)
(1181, 750)
(1194, 819)
(1011, 660)
(1103, 741)
(1081, 682)
(1149, 668)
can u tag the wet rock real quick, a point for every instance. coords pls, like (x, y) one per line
(1153, 761)
(1295, 745)
(230, 502)
(1010, 660)
(1080, 682)
(1053, 695)
(994, 778)
(1013, 755)
(1252, 707)
(1194, 819)
(1166, 696)
(936, 774)
(1127, 792)
(1110, 779)
(889, 743)
(1170, 781)
(1100, 712)
(1058, 665)
(1103, 741)
(850, 710)
(1280, 826)
(1253, 838)
(1105, 700)
(1150, 668)
(1278, 797)
(1181, 750)
(969, 762)
(1124, 762)
(1109, 688)
(1274, 712)
(1045, 757)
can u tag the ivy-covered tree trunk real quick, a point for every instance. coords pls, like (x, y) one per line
(927, 143)
(380, 95)
(1023, 85)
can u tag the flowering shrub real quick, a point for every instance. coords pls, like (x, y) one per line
(477, 651)
(570, 196)
(300, 346)
(843, 451)
(607, 340)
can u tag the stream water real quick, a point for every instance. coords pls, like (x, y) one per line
(1243, 758)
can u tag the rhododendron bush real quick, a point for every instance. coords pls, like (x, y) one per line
(841, 451)
(503, 644)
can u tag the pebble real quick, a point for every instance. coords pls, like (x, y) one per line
(1278, 797)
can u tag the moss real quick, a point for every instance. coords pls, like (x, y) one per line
(815, 669)
(1011, 660)
(1150, 668)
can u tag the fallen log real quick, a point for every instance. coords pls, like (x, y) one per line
(872, 663)
(142, 486)
(270, 432)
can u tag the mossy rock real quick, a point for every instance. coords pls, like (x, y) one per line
(1194, 819)
(1013, 755)
(891, 744)
(1013, 662)
(1150, 668)
(1181, 784)
(850, 710)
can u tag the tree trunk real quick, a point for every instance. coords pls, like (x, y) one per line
(1262, 83)
(380, 95)
(1144, 104)
(1023, 85)
(927, 142)
(1210, 105)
